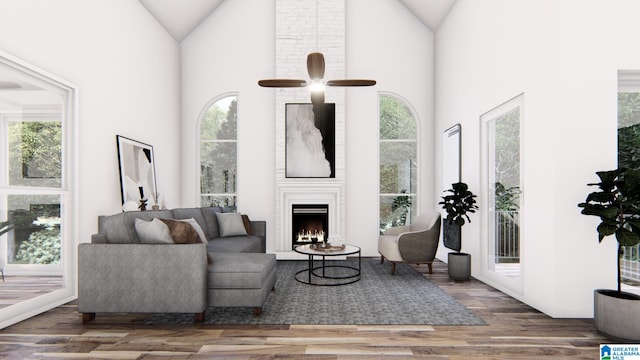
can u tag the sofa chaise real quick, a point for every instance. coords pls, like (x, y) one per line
(130, 267)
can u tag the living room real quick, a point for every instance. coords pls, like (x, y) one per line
(134, 79)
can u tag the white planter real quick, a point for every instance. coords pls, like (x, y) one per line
(615, 317)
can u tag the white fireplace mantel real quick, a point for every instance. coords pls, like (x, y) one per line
(329, 193)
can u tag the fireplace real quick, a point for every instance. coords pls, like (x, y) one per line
(310, 223)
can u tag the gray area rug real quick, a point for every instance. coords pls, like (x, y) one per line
(379, 298)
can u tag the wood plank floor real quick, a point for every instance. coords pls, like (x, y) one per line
(18, 288)
(514, 331)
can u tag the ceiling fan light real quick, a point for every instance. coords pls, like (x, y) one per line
(316, 86)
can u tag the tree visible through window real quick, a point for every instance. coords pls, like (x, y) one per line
(34, 152)
(629, 155)
(629, 129)
(218, 153)
(398, 163)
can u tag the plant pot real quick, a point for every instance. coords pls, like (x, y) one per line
(616, 316)
(459, 266)
(451, 235)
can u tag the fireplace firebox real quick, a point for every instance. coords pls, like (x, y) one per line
(310, 223)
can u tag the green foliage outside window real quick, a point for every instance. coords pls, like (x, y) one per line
(398, 163)
(218, 153)
(35, 153)
(629, 130)
(43, 247)
(629, 153)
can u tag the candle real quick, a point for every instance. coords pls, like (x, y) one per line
(141, 192)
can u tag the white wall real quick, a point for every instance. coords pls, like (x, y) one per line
(399, 56)
(235, 47)
(229, 52)
(563, 56)
(126, 68)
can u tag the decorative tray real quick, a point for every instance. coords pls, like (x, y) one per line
(328, 247)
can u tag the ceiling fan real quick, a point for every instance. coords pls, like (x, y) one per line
(315, 68)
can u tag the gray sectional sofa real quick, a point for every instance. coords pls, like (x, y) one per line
(120, 272)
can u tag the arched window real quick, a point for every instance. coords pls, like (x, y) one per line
(398, 162)
(218, 153)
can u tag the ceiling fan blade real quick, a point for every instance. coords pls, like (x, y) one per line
(315, 65)
(282, 83)
(351, 82)
(317, 97)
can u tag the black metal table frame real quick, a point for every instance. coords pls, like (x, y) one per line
(312, 270)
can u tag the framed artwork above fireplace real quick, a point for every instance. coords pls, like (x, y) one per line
(310, 140)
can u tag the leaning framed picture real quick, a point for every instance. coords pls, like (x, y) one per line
(137, 171)
(310, 144)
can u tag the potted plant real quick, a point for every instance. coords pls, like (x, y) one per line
(617, 204)
(457, 205)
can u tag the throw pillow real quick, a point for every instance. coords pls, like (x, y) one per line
(183, 233)
(247, 224)
(153, 232)
(230, 224)
(197, 228)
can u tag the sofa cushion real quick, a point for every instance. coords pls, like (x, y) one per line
(230, 224)
(189, 213)
(247, 224)
(197, 228)
(182, 232)
(131, 216)
(153, 232)
(240, 270)
(120, 228)
(247, 243)
(211, 222)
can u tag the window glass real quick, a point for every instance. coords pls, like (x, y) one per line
(629, 156)
(398, 163)
(36, 236)
(502, 188)
(218, 153)
(35, 152)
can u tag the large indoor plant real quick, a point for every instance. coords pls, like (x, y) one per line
(617, 204)
(457, 204)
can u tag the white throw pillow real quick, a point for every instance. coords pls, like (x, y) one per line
(153, 232)
(230, 224)
(198, 229)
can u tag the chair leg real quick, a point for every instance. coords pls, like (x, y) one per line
(393, 268)
(257, 310)
(430, 265)
(381, 259)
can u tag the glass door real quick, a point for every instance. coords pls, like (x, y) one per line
(37, 254)
(502, 191)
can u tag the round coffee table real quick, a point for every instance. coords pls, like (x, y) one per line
(319, 272)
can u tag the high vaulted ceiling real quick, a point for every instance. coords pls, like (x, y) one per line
(179, 18)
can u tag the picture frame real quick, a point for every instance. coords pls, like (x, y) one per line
(137, 172)
(310, 140)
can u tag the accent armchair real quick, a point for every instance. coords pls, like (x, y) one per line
(416, 243)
